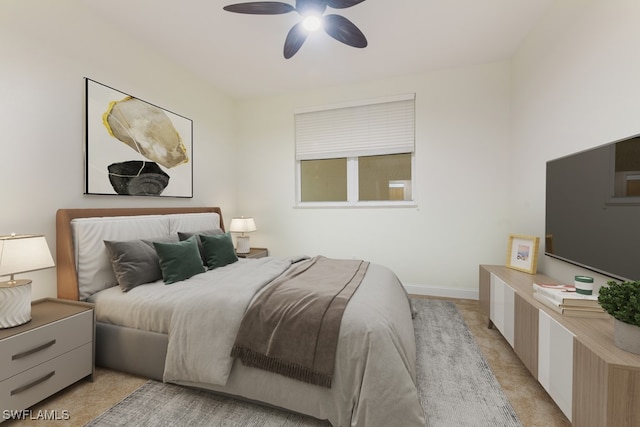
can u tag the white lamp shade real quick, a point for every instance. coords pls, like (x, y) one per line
(23, 253)
(20, 254)
(242, 225)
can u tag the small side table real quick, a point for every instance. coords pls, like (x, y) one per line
(47, 354)
(255, 253)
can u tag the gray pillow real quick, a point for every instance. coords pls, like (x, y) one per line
(135, 262)
(215, 232)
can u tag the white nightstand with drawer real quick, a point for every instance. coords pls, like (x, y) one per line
(52, 351)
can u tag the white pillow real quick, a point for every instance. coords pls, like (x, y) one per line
(94, 268)
(95, 271)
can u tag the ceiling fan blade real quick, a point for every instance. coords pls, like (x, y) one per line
(260, 8)
(342, 4)
(295, 38)
(343, 30)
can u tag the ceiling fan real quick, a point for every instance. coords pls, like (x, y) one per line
(312, 11)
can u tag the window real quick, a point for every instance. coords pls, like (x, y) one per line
(356, 155)
(384, 177)
(324, 180)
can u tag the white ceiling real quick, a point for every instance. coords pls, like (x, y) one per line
(242, 54)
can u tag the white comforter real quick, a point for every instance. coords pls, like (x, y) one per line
(374, 379)
(204, 325)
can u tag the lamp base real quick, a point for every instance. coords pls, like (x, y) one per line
(15, 304)
(242, 245)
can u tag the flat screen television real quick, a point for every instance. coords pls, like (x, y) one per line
(593, 209)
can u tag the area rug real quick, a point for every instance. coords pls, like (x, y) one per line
(455, 384)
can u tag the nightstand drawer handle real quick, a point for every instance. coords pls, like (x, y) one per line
(33, 350)
(33, 383)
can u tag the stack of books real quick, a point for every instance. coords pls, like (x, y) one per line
(565, 300)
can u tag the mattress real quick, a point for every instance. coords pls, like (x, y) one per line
(149, 307)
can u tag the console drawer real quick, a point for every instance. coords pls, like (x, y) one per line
(23, 351)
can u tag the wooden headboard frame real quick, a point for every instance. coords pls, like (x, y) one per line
(65, 258)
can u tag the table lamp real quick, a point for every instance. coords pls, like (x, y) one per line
(20, 253)
(242, 225)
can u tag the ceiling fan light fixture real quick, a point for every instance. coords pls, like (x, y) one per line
(312, 23)
(313, 18)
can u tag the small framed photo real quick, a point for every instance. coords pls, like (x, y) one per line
(522, 253)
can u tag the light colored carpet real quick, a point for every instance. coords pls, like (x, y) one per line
(455, 383)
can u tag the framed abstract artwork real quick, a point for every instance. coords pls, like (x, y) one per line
(135, 148)
(522, 253)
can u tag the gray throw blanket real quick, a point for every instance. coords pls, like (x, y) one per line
(292, 326)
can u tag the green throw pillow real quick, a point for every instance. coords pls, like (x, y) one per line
(180, 260)
(218, 250)
(185, 236)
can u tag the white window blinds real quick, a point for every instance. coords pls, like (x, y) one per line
(379, 127)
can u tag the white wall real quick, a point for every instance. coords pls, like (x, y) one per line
(575, 86)
(47, 48)
(484, 134)
(462, 130)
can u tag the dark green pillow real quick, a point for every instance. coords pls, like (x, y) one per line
(180, 260)
(185, 236)
(218, 250)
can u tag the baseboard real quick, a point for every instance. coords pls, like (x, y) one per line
(434, 291)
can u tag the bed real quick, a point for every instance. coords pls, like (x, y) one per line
(185, 332)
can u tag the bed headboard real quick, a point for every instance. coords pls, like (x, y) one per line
(67, 276)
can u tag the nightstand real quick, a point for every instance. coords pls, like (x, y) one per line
(52, 351)
(255, 253)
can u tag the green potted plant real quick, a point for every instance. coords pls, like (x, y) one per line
(622, 301)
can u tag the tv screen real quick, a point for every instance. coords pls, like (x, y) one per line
(593, 209)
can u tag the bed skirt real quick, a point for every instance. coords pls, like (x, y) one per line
(129, 350)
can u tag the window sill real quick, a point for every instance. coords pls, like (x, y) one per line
(376, 204)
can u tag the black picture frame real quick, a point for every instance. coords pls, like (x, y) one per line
(134, 148)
